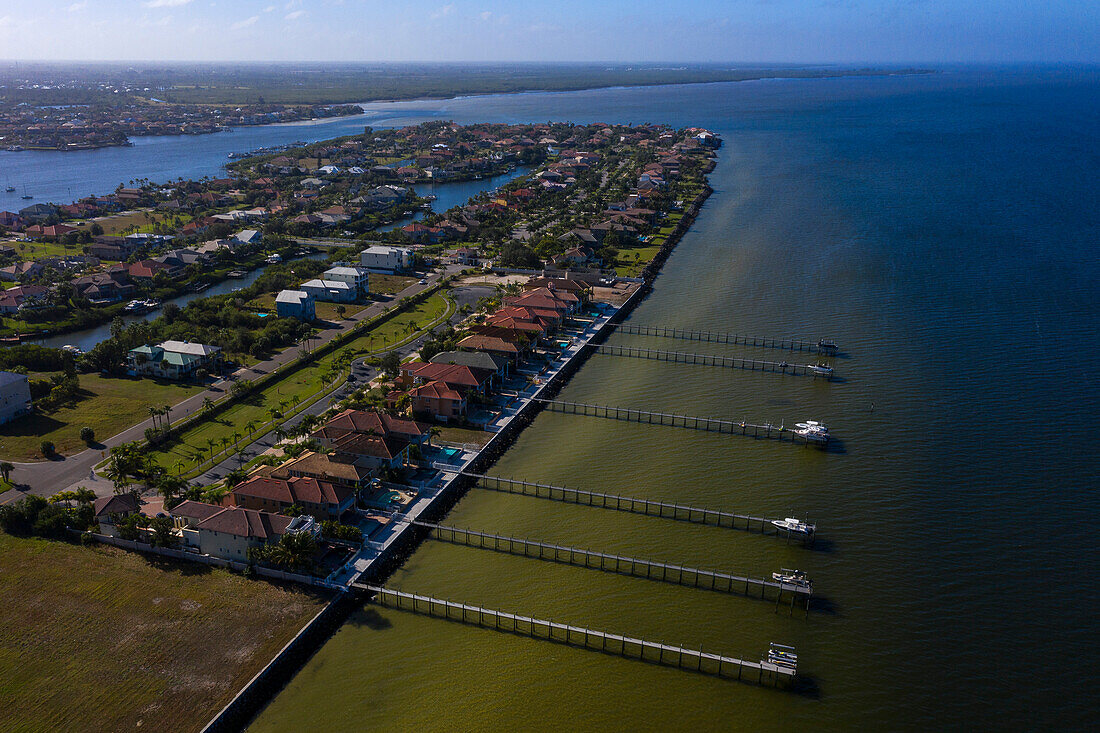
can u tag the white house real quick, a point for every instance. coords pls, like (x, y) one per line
(15, 396)
(357, 277)
(333, 291)
(384, 258)
(248, 236)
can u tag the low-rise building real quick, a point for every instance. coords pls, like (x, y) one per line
(173, 359)
(331, 291)
(296, 304)
(109, 510)
(15, 396)
(319, 498)
(357, 277)
(438, 400)
(383, 258)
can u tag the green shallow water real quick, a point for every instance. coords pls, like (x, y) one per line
(906, 224)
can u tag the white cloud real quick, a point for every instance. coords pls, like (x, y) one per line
(77, 7)
(443, 12)
(486, 15)
(295, 15)
(270, 9)
(165, 3)
(244, 23)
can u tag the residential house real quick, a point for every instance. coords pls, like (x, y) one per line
(332, 291)
(438, 400)
(21, 271)
(376, 423)
(381, 258)
(248, 236)
(23, 297)
(330, 468)
(459, 377)
(491, 345)
(483, 360)
(15, 396)
(318, 498)
(357, 277)
(231, 532)
(296, 304)
(173, 359)
(109, 510)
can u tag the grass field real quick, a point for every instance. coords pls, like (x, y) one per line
(137, 221)
(180, 455)
(110, 405)
(389, 284)
(450, 434)
(98, 639)
(38, 250)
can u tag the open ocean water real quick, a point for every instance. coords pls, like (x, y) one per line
(944, 229)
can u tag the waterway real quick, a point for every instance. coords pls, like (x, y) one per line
(943, 229)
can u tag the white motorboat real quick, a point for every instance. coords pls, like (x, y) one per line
(813, 431)
(792, 577)
(793, 525)
(820, 370)
(74, 350)
(273, 259)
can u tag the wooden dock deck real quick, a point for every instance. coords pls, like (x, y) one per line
(690, 422)
(648, 507)
(619, 564)
(578, 636)
(821, 346)
(730, 362)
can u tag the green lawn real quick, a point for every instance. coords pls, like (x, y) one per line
(137, 221)
(389, 284)
(109, 405)
(627, 266)
(38, 250)
(302, 384)
(450, 434)
(98, 639)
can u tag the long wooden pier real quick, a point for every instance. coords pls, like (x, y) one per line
(730, 362)
(690, 422)
(619, 564)
(821, 346)
(718, 665)
(648, 507)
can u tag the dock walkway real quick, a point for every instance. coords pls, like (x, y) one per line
(690, 422)
(648, 507)
(665, 654)
(618, 564)
(730, 362)
(821, 346)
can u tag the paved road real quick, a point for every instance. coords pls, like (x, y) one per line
(363, 374)
(49, 477)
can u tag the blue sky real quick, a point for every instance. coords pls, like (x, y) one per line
(803, 31)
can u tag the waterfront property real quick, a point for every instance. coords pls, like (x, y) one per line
(15, 396)
(332, 291)
(176, 360)
(357, 277)
(319, 498)
(229, 532)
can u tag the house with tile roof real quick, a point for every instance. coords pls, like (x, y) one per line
(318, 498)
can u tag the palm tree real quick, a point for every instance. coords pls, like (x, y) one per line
(5, 469)
(153, 414)
(273, 414)
(167, 415)
(207, 404)
(250, 426)
(84, 495)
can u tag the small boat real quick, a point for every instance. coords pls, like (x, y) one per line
(273, 259)
(812, 431)
(10, 189)
(199, 287)
(793, 525)
(820, 370)
(782, 655)
(827, 346)
(74, 350)
(792, 577)
(237, 274)
(134, 306)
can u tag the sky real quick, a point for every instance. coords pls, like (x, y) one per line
(766, 31)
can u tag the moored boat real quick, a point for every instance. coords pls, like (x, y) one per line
(812, 431)
(792, 577)
(820, 370)
(793, 525)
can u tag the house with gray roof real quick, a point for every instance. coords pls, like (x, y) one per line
(173, 360)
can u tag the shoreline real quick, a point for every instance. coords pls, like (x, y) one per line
(251, 700)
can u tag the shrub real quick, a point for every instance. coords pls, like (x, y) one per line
(87, 435)
(47, 447)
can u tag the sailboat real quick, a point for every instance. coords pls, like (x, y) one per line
(25, 194)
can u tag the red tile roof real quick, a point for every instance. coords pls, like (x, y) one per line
(246, 523)
(293, 490)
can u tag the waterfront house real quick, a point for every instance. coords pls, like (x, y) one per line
(109, 510)
(376, 423)
(231, 532)
(483, 360)
(15, 396)
(21, 270)
(491, 345)
(24, 297)
(332, 469)
(296, 304)
(371, 451)
(248, 236)
(319, 498)
(173, 360)
(438, 400)
(459, 377)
